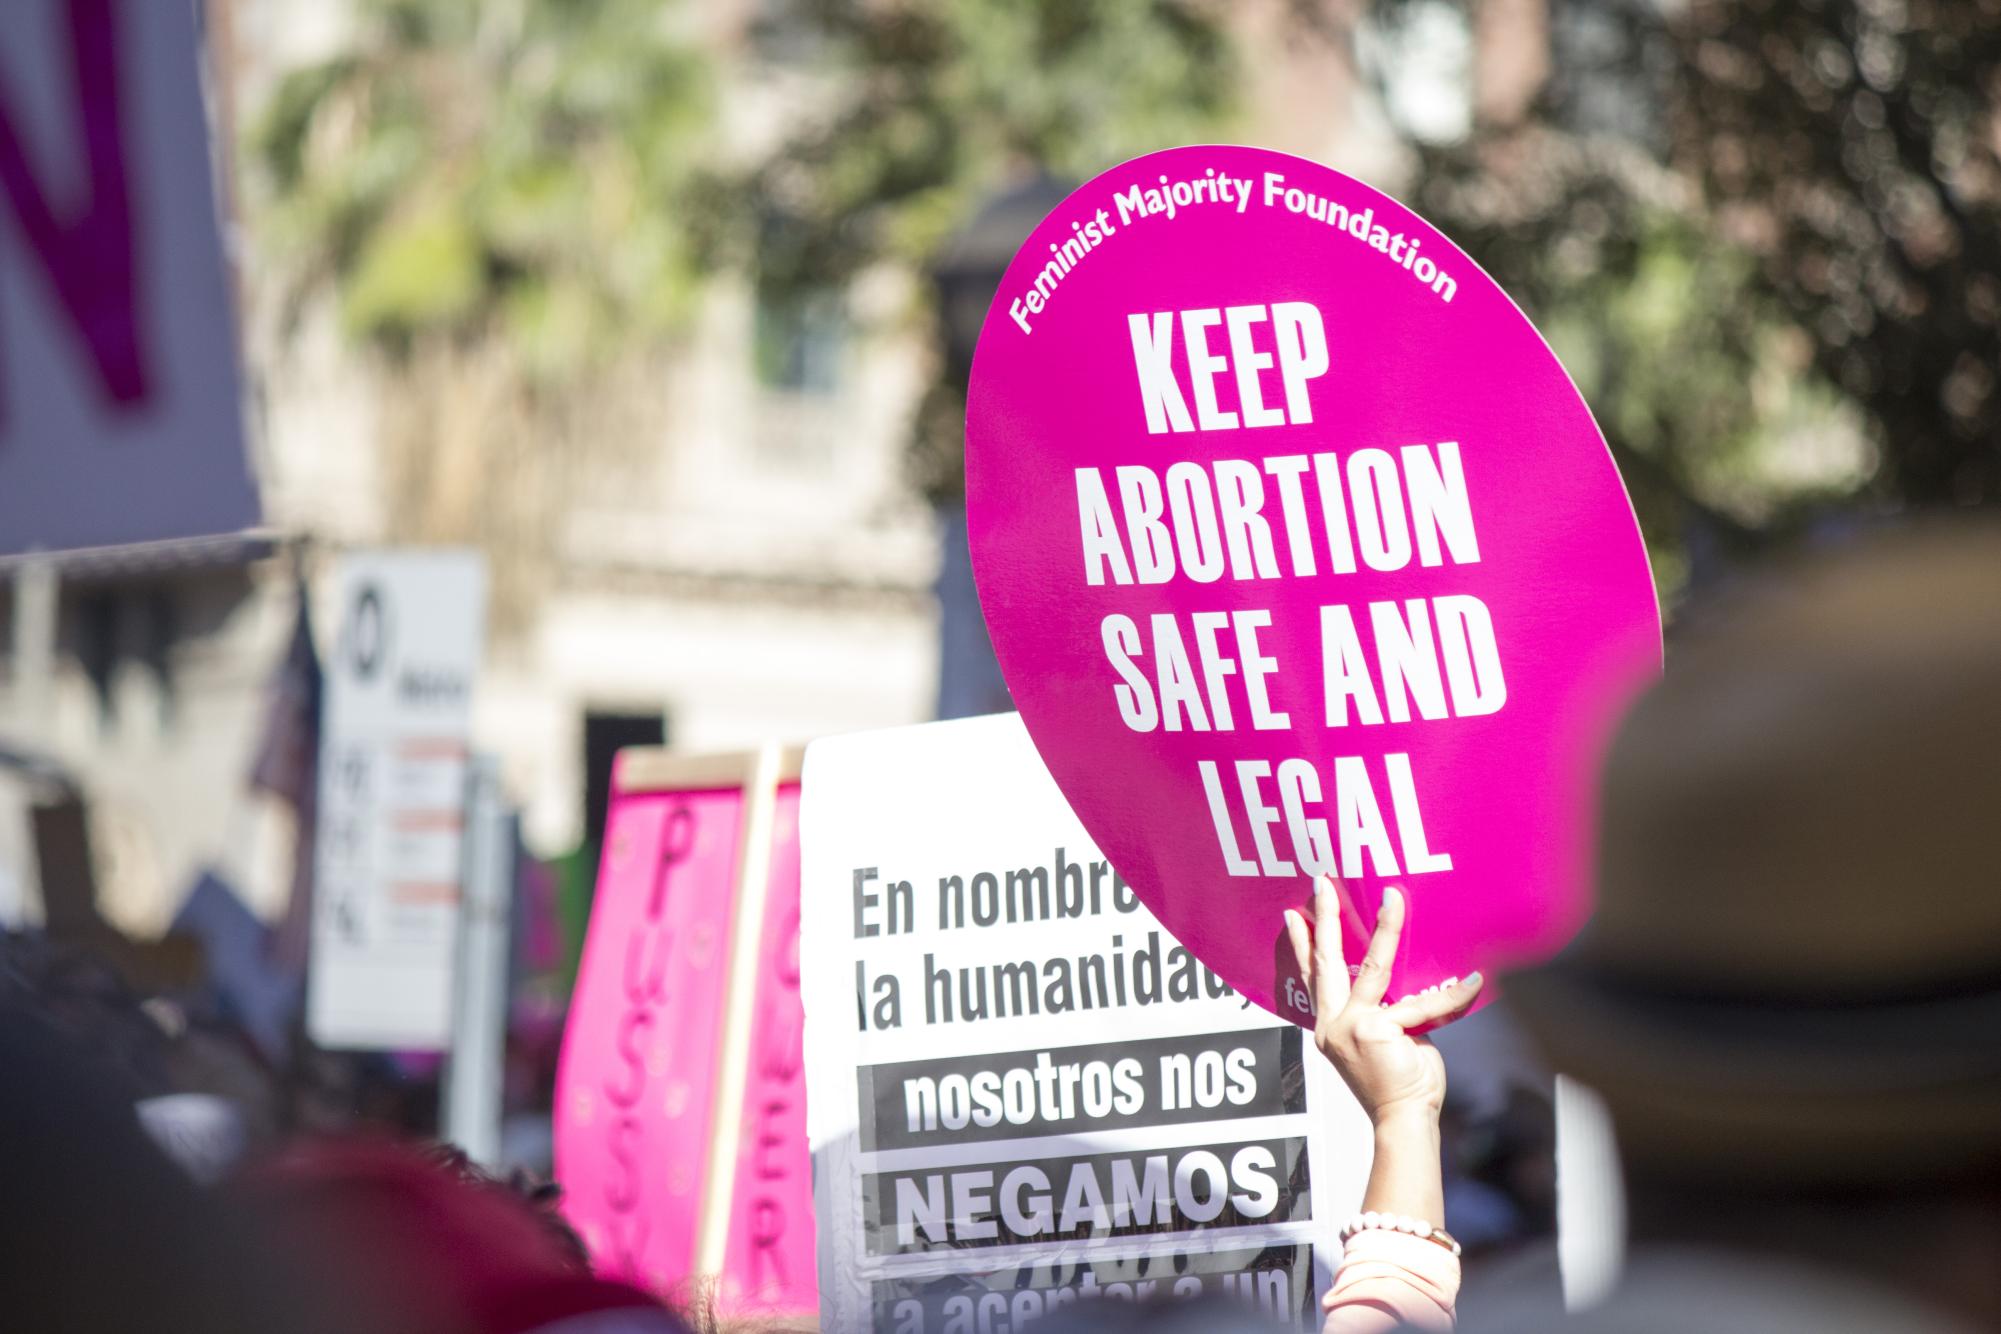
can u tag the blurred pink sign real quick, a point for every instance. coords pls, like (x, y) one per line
(1301, 552)
(646, 1062)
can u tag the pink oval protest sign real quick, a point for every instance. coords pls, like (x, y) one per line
(1300, 551)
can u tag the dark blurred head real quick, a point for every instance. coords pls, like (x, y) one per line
(101, 1234)
(437, 1246)
(1794, 970)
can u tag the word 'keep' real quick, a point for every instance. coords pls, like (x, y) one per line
(1296, 341)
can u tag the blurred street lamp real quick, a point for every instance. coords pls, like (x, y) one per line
(965, 276)
(969, 268)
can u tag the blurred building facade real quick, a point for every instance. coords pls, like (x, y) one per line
(738, 554)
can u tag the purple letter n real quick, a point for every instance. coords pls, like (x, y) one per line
(89, 255)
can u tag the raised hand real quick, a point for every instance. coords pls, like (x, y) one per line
(1374, 1043)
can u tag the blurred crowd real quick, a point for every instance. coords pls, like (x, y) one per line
(472, 243)
(1786, 998)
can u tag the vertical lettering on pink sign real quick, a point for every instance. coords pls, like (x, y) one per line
(769, 1262)
(635, 1097)
(87, 254)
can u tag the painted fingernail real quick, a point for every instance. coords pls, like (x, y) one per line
(1473, 979)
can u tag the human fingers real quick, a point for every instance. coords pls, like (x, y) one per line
(1300, 937)
(1330, 970)
(1437, 1005)
(1372, 979)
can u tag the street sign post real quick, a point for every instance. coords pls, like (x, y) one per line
(393, 765)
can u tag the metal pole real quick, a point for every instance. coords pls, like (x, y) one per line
(474, 1065)
(37, 603)
(25, 719)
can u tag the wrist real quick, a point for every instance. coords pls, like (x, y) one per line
(1405, 1176)
(1405, 1118)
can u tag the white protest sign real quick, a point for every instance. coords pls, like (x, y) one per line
(1021, 1091)
(394, 732)
(120, 418)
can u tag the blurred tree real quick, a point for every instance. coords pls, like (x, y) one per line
(1702, 389)
(466, 169)
(484, 188)
(928, 106)
(1565, 196)
(1854, 147)
(1765, 235)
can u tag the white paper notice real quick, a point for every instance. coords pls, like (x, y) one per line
(395, 726)
(1022, 1093)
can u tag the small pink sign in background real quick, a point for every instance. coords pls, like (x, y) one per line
(636, 1091)
(1370, 425)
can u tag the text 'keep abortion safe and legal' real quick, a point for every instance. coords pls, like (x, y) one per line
(1285, 516)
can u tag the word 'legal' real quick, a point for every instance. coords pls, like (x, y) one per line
(1358, 842)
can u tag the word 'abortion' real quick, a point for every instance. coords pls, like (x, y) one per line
(1371, 508)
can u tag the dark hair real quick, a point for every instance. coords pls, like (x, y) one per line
(540, 1194)
(100, 1233)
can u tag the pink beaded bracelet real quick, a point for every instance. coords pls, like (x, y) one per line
(1415, 1227)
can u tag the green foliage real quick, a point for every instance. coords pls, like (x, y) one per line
(1852, 145)
(1782, 292)
(1785, 301)
(1696, 378)
(422, 272)
(465, 170)
(930, 104)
